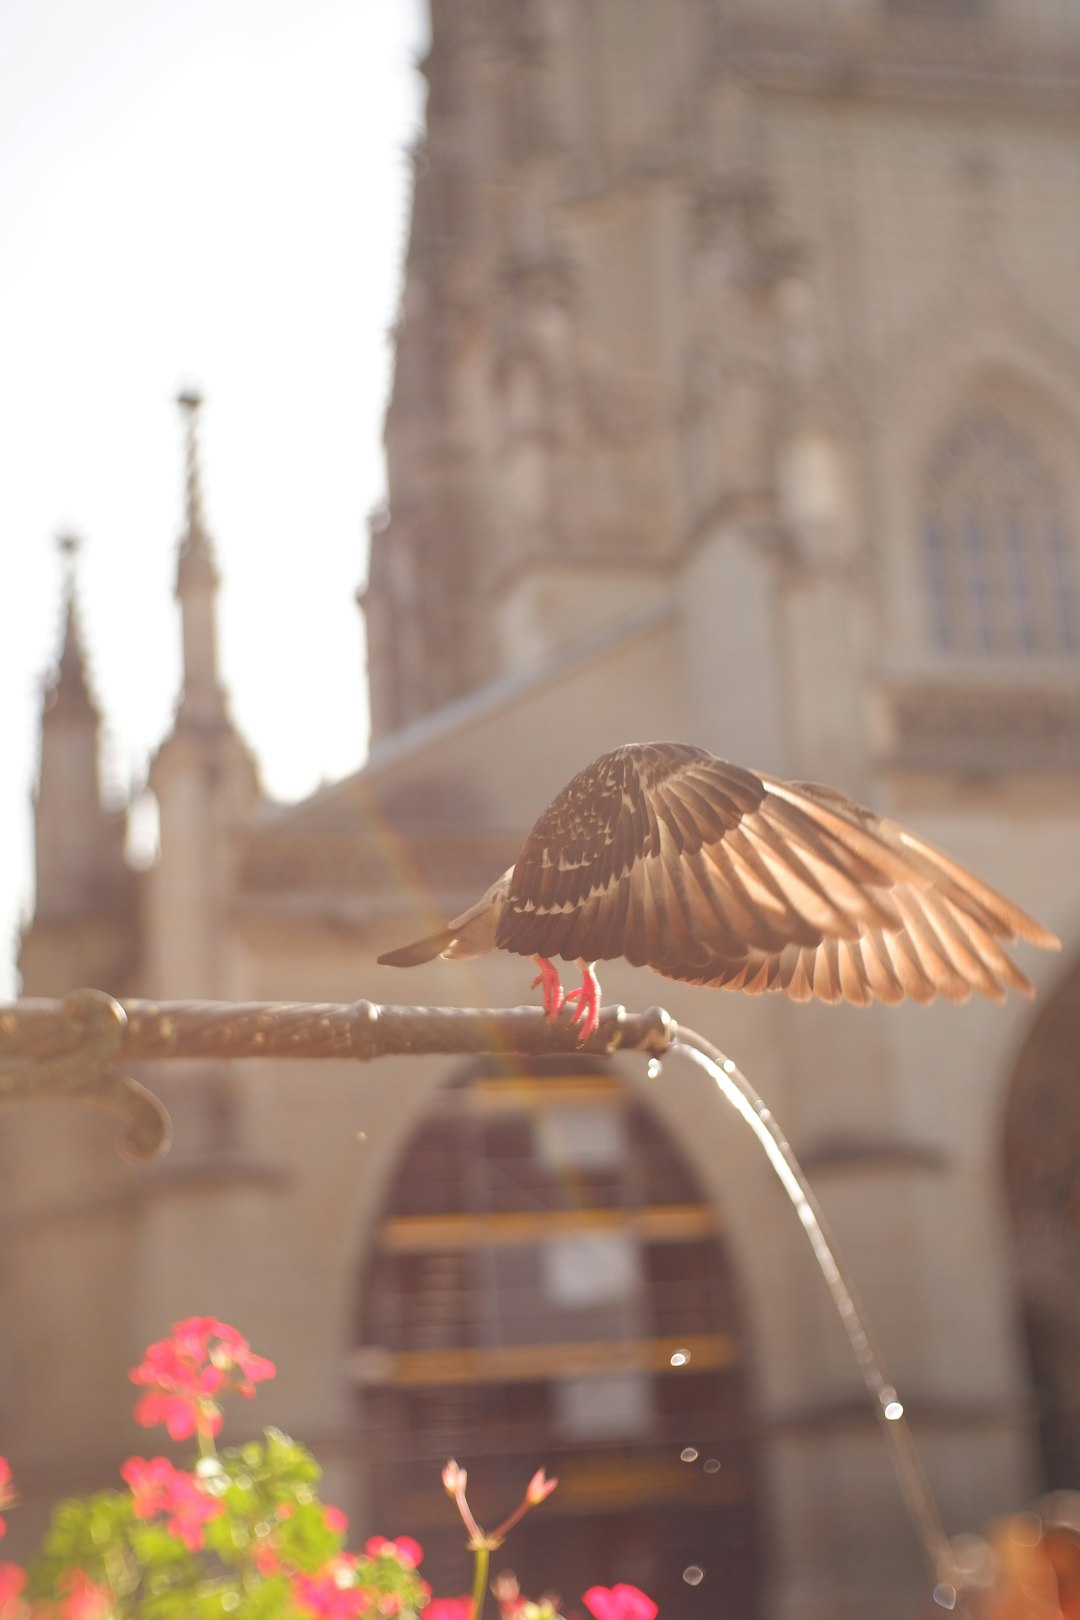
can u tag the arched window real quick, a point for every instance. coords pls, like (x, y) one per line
(999, 560)
(549, 1288)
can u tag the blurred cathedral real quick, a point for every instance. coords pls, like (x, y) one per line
(737, 400)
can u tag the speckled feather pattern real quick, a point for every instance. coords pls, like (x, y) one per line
(710, 873)
(717, 875)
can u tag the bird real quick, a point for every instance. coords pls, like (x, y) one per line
(713, 874)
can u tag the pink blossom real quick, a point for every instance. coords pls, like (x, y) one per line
(335, 1520)
(456, 1608)
(7, 1497)
(331, 1594)
(619, 1603)
(507, 1594)
(266, 1558)
(83, 1598)
(404, 1549)
(182, 1415)
(185, 1373)
(12, 1581)
(157, 1487)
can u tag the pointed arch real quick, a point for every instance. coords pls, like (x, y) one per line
(548, 1286)
(999, 555)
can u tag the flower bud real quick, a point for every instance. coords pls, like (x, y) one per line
(539, 1487)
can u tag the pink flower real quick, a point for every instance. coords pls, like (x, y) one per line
(459, 1608)
(332, 1594)
(182, 1415)
(507, 1594)
(157, 1487)
(7, 1497)
(335, 1520)
(83, 1598)
(619, 1603)
(12, 1581)
(266, 1558)
(185, 1373)
(404, 1549)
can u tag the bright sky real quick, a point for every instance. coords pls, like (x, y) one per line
(209, 193)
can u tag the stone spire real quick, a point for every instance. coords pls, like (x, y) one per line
(70, 689)
(80, 873)
(203, 701)
(203, 777)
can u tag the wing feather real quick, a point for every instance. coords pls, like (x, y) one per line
(807, 898)
(719, 869)
(827, 973)
(854, 985)
(712, 874)
(878, 970)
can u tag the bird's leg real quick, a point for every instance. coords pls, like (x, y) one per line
(554, 995)
(588, 1000)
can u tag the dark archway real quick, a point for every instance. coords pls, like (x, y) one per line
(1042, 1177)
(542, 1256)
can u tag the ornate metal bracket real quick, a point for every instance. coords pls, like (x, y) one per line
(72, 1048)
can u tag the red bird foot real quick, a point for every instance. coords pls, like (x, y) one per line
(554, 995)
(588, 1002)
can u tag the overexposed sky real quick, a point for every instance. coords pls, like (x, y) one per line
(210, 193)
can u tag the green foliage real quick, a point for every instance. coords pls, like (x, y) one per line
(270, 1525)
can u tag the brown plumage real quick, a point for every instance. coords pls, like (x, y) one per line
(717, 875)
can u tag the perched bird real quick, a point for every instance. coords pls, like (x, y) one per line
(717, 875)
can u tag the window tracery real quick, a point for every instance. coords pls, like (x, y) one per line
(999, 560)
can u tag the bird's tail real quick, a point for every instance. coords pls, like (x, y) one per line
(421, 950)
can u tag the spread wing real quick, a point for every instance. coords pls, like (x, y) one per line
(709, 873)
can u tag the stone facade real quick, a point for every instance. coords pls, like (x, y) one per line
(700, 301)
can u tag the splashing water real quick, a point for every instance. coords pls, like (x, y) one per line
(914, 1485)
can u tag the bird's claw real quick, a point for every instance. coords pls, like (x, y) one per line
(554, 995)
(587, 996)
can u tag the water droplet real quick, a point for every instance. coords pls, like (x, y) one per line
(729, 1065)
(688, 1454)
(654, 1069)
(679, 1358)
(945, 1595)
(711, 1465)
(894, 1411)
(693, 1574)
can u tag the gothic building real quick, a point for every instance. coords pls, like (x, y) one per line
(736, 400)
